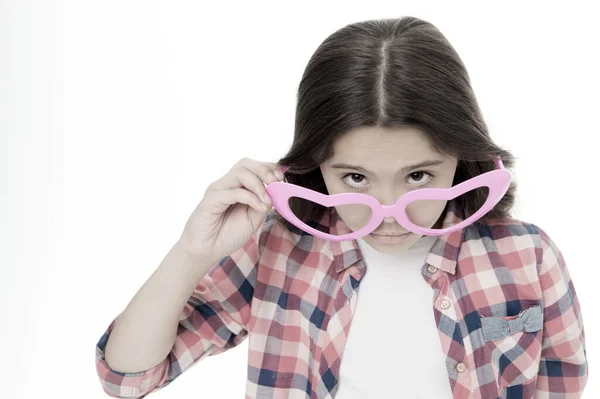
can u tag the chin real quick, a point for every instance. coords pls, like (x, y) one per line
(393, 247)
(390, 249)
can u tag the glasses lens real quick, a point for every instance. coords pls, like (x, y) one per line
(356, 216)
(423, 212)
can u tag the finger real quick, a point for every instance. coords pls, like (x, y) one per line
(278, 170)
(248, 174)
(245, 178)
(226, 182)
(225, 198)
(268, 171)
(274, 168)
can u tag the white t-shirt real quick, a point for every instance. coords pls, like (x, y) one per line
(402, 356)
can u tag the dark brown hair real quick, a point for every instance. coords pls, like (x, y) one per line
(391, 73)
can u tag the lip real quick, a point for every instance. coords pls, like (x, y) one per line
(389, 238)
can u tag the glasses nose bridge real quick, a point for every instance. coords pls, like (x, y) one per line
(388, 210)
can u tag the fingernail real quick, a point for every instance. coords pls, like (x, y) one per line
(279, 174)
(271, 177)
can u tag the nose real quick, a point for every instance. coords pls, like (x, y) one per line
(388, 199)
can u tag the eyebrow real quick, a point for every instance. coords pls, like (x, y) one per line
(405, 169)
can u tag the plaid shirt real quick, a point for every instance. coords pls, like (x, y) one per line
(507, 313)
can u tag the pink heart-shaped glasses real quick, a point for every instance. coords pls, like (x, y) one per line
(497, 181)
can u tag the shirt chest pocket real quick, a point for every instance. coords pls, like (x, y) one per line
(514, 344)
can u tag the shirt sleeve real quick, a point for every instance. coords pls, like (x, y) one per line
(214, 320)
(563, 371)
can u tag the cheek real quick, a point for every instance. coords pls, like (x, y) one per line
(335, 186)
(425, 213)
(355, 216)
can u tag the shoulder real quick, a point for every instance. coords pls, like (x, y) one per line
(511, 234)
(276, 228)
(279, 241)
(498, 229)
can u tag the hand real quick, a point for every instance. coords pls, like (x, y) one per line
(232, 209)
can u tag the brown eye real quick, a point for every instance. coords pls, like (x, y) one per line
(417, 174)
(354, 180)
(418, 177)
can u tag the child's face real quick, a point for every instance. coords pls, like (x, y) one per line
(382, 154)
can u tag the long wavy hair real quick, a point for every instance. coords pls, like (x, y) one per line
(391, 73)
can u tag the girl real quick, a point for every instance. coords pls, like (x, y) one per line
(487, 311)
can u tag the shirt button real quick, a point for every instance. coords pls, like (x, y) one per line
(431, 269)
(445, 304)
(460, 367)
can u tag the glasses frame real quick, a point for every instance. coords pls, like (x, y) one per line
(498, 182)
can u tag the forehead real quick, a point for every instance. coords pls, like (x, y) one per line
(370, 144)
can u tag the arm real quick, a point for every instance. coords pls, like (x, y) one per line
(174, 321)
(563, 369)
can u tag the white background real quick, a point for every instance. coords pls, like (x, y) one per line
(115, 116)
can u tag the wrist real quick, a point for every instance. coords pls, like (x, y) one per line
(195, 256)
